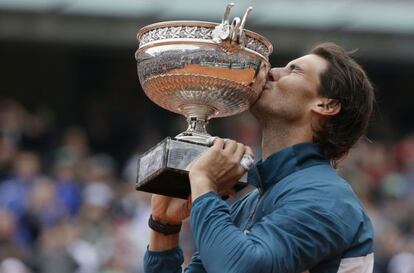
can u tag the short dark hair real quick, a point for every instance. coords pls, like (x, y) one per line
(345, 81)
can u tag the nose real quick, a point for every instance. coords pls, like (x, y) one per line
(275, 73)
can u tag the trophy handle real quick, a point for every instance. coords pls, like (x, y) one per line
(243, 22)
(235, 28)
(227, 14)
(238, 26)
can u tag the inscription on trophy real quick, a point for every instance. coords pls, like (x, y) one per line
(151, 161)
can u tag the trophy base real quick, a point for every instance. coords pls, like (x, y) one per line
(162, 169)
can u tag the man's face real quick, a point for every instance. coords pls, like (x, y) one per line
(291, 92)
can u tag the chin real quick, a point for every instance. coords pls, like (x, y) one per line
(259, 105)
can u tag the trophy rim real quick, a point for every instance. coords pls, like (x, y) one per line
(194, 41)
(206, 24)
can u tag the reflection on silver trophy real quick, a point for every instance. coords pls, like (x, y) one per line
(201, 70)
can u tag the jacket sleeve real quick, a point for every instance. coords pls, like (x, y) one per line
(292, 238)
(195, 266)
(164, 261)
(170, 262)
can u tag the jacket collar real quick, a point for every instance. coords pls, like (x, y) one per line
(285, 162)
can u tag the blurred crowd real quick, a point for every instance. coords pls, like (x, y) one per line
(383, 177)
(65, 208)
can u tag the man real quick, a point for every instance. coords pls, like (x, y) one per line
(303, 216)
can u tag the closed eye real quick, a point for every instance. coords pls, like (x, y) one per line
(294, 67)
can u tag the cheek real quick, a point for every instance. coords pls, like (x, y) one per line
(296, 90)
(289, 85)
(284, 92)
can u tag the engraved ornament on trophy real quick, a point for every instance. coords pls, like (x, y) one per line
(200, 70)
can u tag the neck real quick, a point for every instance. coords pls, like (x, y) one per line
(276, 137)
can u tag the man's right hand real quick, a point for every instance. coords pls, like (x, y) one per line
(169, 210)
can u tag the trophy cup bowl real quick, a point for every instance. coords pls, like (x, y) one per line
(201, 70)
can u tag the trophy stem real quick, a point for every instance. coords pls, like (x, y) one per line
(197, 125)
(196, 131)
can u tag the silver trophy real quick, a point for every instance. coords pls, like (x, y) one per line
(201, 70)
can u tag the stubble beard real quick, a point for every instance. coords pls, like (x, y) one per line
(278, 119)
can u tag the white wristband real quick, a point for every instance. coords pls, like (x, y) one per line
(247, 162)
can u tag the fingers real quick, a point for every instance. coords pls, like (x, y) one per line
(240, 150)
(218, 143)
(159, 198)
(248, 151)
(189, 202)
(230, 146)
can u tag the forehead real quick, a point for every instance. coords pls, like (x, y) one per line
(312, 64)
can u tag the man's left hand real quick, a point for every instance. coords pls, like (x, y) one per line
(218, 168)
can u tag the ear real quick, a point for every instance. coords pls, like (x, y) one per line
(326, 107)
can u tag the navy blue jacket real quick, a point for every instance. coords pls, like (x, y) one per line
(302, 217)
